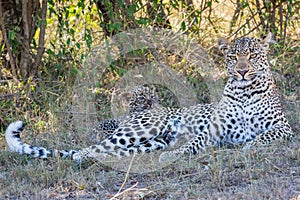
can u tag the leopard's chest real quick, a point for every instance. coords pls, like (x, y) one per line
(242, 121)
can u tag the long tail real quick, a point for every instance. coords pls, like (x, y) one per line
(14, 142)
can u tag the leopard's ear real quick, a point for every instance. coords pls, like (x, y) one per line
(223, 45)
(268, 40)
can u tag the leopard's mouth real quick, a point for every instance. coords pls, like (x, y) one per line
(245, 77)
(242, 78)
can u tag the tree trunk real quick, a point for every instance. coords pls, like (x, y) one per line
(19, 21)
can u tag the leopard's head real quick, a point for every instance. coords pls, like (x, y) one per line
(246, 58)
(140, 98)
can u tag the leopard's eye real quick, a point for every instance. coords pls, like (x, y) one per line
(141, 98)
(231, 56)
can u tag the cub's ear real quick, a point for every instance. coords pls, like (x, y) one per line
(268, 40)
(223, 45)
(126, 96)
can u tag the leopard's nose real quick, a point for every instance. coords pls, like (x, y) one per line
(242, 72)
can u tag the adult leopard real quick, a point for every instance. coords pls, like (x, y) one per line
(248, 114)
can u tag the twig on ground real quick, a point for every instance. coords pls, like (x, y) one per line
(124, 182)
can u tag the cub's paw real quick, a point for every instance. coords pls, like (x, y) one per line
(82, 156)
(79, 157)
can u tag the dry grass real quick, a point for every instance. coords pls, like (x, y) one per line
(269, 173)
(266, 173)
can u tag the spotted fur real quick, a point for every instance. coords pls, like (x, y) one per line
(14, 142)
(140, 98)
(248, 114)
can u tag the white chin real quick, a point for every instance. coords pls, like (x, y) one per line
(243, 83)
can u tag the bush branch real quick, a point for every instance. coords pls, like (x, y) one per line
(41, 44)
(8, 47)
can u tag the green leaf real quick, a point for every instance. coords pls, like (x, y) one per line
(59, 54)
(183, 26)
(88, 39)
(289, 9)
(50, 52)
(34, 43)
(72, 31)
(11, 35)
(52, 10)
(67, 24)
(69, 42)
(67, 14)
(51, 2)
(58, 66)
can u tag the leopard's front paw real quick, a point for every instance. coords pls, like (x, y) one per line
(249, 145)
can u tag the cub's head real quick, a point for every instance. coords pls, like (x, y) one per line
(140, 98)
(245, 58)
